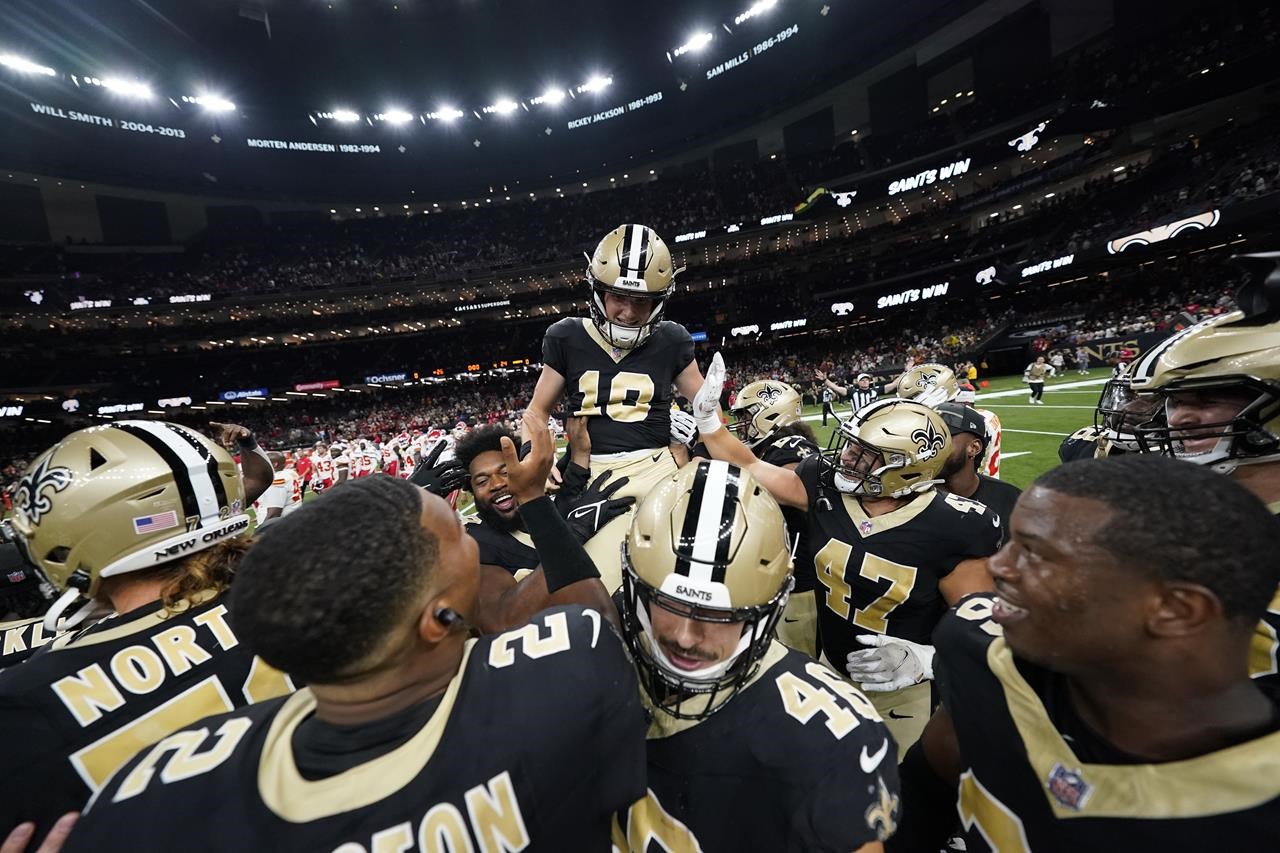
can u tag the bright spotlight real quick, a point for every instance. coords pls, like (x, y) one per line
(18, 63)
(212, 103)
(694, 44)
(503, 107)
(128, 88)
(757, 8)
(446, 114)
(595, 84)
(394, 116)
(344, 116)
(551, 96)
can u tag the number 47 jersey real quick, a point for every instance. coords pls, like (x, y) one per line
(86, 702)
(536, 741)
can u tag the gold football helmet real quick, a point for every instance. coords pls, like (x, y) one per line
(1230, 358)
(120, 498)
(889, 448)
(708, 544)
(929, 384)
(631, 260)
(762, 407)
(1119, 411)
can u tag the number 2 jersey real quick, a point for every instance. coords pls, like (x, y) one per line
(535, 743)
(799, 760)
(627, 393)
(880, 575)
(1038, 778)
(86, 702)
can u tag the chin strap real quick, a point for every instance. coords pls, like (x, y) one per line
(53, 621)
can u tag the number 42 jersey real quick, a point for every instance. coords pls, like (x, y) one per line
(537, 740)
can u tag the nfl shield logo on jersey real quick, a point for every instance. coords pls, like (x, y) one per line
(1068, 787)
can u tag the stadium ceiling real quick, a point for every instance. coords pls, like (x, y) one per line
(519, 77)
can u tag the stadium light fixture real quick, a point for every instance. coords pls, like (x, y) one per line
(503, 106)
(551, 96)
(595, 83)
(395, 116)
(128, 88)
(694, 44)
(758, 8)
(446, 114)
(344, 116)
(212, 103)
(20, 63)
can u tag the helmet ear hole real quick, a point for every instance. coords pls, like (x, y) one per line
(58, 554)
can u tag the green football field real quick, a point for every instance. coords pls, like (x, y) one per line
(1031, 434)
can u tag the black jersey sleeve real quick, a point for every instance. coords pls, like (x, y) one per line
(682, 341)
(961, 639)
(850, 807)
(976, 531)
(553, 349)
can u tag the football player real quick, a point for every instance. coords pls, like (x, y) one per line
(890, 551)
(752, 746)
(1119, 411)
(145, 519)
(1035, 375)
(410, 734)
(933, 384)
(512, 587)
(765, 416)
(617, 368)
(284, 496)
(962, 474)
(322, 468)
(1216, 386)
(1101, 699)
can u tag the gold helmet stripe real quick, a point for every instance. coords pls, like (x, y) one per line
(703, 549)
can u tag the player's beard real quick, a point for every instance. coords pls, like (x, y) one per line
(492, 517)
(953, 466)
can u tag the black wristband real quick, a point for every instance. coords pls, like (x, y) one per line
(250, 443)
(563, 560)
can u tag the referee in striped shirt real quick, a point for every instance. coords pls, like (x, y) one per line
(862, 393)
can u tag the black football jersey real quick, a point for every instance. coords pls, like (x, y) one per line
(535, 744)
(785, 450)
(1037, 778)
(21, 639)
(512, 551)
(627, 393)
(86, 702)
(999, 496)
(797, 761)
(880, 575)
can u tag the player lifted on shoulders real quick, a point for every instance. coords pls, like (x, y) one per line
(617, 368)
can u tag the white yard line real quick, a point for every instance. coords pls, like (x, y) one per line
(1034, 432)
(1012, 455)
(1014, 392)
(1029, 406)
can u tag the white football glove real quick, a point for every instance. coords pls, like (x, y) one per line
(683, 427)
(891, 663)
(706, 403)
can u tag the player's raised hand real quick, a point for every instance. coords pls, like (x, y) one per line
(229, 435)
(527, 478)
(439, 478)
(706, 403)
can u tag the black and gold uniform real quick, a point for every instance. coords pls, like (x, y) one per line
(511, 550)
(798, 760)
(1038, 778)
(21, 639)
(626, 393)
(799, 625)
(87, 702)
(880, 576)
(534, 745)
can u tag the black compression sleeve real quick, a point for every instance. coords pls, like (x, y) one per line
(563, 560)
(928, 807)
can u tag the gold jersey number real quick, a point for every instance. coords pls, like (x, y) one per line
(626, 401)
(832, 563)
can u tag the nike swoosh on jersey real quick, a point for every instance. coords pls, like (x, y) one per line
(871, 762)
(893, 715)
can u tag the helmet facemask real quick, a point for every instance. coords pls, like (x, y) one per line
(696, 694)
(1242, 439)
